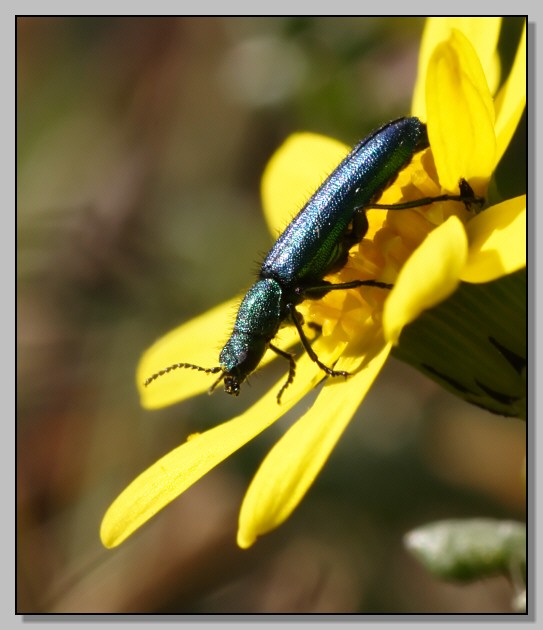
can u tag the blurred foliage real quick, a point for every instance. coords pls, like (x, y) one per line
(140, 144)
(471, 549)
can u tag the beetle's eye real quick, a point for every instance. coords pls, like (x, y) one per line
(231, 385)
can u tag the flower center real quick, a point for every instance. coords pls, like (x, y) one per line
(392, 237)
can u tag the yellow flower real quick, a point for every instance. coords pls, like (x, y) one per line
(425, 252)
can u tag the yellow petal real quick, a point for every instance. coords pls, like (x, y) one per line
(198, 342)
(429, 276)
(497, 241)
(511, 99)
(293, 463)
(294, 172)
(178, 470)
(460, 116)
(482, 32)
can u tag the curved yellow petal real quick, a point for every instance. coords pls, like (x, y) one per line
(429, 276)
(294, 172)
(178, 470)
(460, 116)
(511, 99)
(497, 241)
(482, 32)
(291, 466)
(198, 342)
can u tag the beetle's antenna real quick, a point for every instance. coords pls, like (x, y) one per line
(176, 366)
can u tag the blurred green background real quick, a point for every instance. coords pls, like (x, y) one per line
(141, 142)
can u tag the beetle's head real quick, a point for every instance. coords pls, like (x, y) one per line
(240, 356)
(232, 382)
(231, 385)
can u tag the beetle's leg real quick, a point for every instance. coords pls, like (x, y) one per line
(360, 225)
(307, 346)
(466, 196)
(291, 370)
(320, 289)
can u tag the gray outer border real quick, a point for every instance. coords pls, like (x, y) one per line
(423, 7)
